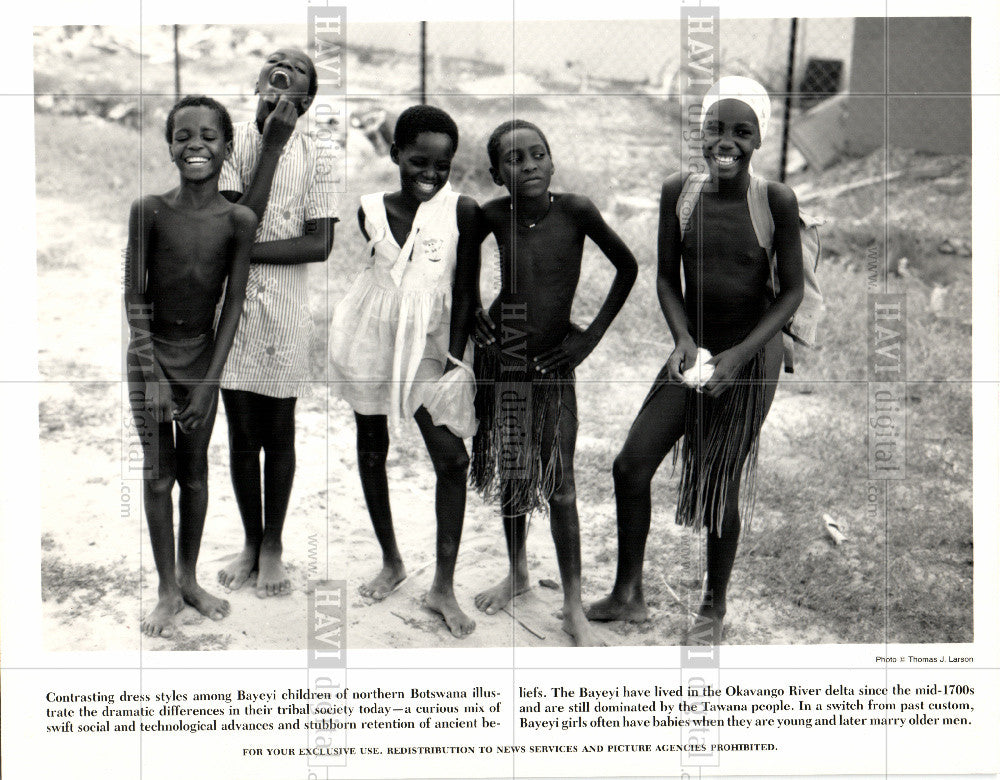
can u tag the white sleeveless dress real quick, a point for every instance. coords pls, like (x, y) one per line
(389, 335)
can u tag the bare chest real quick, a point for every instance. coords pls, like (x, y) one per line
(190, 249)
(723, 232)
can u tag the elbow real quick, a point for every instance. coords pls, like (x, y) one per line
(320, 249)
(328, 242)
(631, 272)
(626, 272)
(325, 246)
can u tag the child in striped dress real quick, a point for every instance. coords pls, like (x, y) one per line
(279, 173)
(402, 325)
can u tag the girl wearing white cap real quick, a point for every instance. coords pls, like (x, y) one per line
(716, 404)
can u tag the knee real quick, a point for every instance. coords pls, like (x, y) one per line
(373, 447)
(280, 448)
(563, 499)
(370, 460)
(447, 548)
(452, 465)
(731, 513)
(621, 468)
(160, 486)
(630, 473)
(244, 442)
(280, 439)
(193, 477)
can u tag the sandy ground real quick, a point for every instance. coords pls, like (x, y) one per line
(95, 596)
(98, 576)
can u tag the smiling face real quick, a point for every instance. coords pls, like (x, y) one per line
(198, 146)
(730, 136)
(287, 72)
(524, 165)
(424, 165)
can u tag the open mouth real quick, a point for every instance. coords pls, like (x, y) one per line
(726, 160)
(196, 160)
(426, 187)
(279, 79)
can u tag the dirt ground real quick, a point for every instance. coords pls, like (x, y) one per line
(98, 575)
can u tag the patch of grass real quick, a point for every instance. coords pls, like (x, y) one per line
(85, 584)
(77, 411)
(92, 163)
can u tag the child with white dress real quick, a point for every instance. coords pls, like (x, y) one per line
(403, 324)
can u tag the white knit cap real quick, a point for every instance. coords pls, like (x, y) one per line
(746, 91)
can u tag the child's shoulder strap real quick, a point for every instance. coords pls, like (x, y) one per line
(760, 212)
(452, 208)
(763, 226)
(688, 199)
(373, 204)
(376, 220)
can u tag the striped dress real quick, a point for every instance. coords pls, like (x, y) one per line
(270, 353)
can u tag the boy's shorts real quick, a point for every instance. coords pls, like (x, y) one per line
(184, 363)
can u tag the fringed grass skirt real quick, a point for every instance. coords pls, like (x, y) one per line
(512, 462)
(721, 438)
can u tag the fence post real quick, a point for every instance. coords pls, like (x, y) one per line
(423, 62)
(789, 77)
(177, 66)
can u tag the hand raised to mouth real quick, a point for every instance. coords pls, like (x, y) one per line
(279, 124)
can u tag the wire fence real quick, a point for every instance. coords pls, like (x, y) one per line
(611, 95)
(808, 66)
(634, 68)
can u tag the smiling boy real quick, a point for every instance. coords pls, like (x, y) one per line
(183, 247)
(278, 172)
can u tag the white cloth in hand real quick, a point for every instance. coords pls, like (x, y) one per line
(697, 375)
(452, 400)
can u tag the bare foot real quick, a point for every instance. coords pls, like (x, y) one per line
(385, 582)
(704, 631)
(492, 600)
(160, 621)
(271, 579)
(445, 604)
(612, 608)
(203, 601)
(235, 574)
(575, 624)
